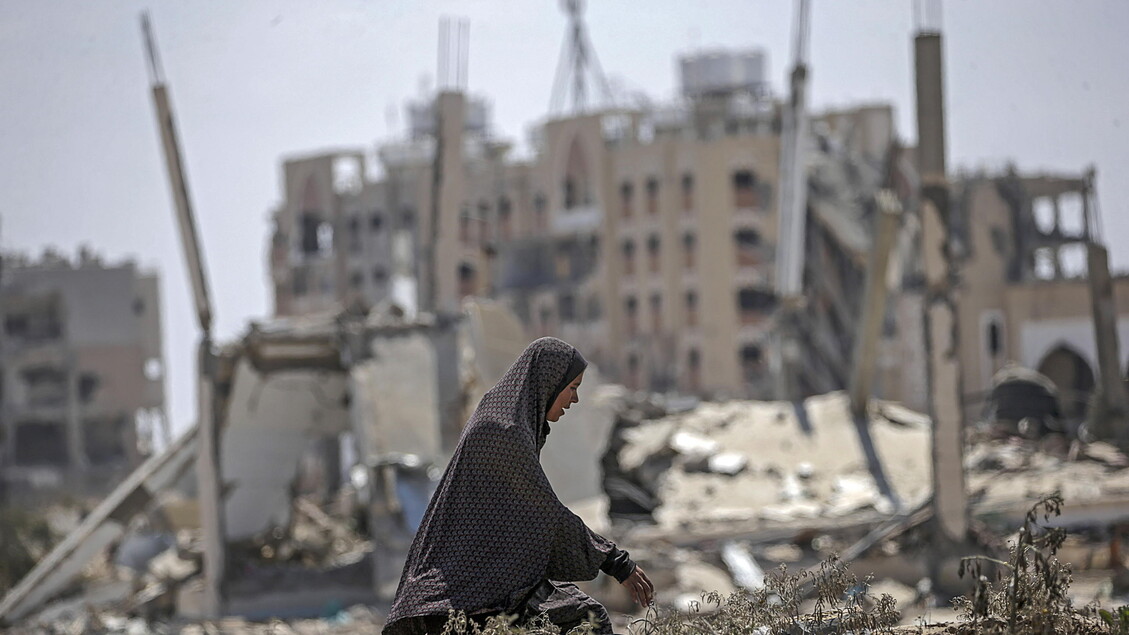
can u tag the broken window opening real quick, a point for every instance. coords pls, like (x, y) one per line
(1045, 262)
(483, 223)
(468, 281)
(688, 193)
(626, 194)
(752, 363)
(633, 371)
(628, 257)
(748, 247)
(689, 245)
(46, 385)
(376, 221)
(87, 385)
(653, 245)
(311, 223)
(693, 369)
(355, 243)
(1072, 214)
(745, 189)
(691, 308)
(41, 443)
(1045, 214)
(570, 198)
(995, 345)
(1073, 377)
(504, 223)
(379, 275)
(652, 195)
(754, 304)
(631, 309)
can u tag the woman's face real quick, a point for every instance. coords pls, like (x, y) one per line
(565, 399)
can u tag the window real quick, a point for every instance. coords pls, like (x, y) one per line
(688, 193)
(693, 369)
(628, 257)
(631, 309)
(689, 247)
(748, 247)
(753, 304)
(483, 223)
(379, 275)
(752, 362)
(376, 221)
(309, 241)
(633, 372)
(691, 308)
(355, 244)
(653, 245)
(995, 341)
(744, 189)
(356, 279)
(505, 230)
(570, 198)
(626, 193)
(652, 195)
(656, 313)
(468, 280)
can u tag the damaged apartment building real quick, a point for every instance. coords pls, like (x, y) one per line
(81, 373)
(644, 236)
(647, 236)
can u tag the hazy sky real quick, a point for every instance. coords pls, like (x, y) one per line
(1041, 83)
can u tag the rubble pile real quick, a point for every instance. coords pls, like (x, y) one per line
(749, 464)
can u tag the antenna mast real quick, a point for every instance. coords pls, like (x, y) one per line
(578, 60)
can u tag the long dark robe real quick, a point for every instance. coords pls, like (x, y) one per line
(495, 534)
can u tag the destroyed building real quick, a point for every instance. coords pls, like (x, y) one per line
(81, 373)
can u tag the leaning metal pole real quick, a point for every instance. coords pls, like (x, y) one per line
(208, 476)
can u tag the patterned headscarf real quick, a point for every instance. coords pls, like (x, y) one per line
(494, 529)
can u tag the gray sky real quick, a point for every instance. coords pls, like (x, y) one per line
(1041, 83)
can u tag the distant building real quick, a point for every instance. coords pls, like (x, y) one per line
(80, 369)
(647, 237)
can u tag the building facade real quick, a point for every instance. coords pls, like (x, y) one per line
(82, 372)
(648, 238)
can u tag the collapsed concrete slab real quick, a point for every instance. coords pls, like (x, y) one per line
(99, 529)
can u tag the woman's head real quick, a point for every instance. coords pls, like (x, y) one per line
(565, 399)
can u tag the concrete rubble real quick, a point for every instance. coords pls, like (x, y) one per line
(707, 496)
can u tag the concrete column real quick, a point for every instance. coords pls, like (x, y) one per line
(942, 333)
(1115, 403)
(888, 216)
(209, 480)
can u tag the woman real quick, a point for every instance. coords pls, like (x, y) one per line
(495, 538)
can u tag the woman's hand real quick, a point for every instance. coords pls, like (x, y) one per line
(640, 587)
